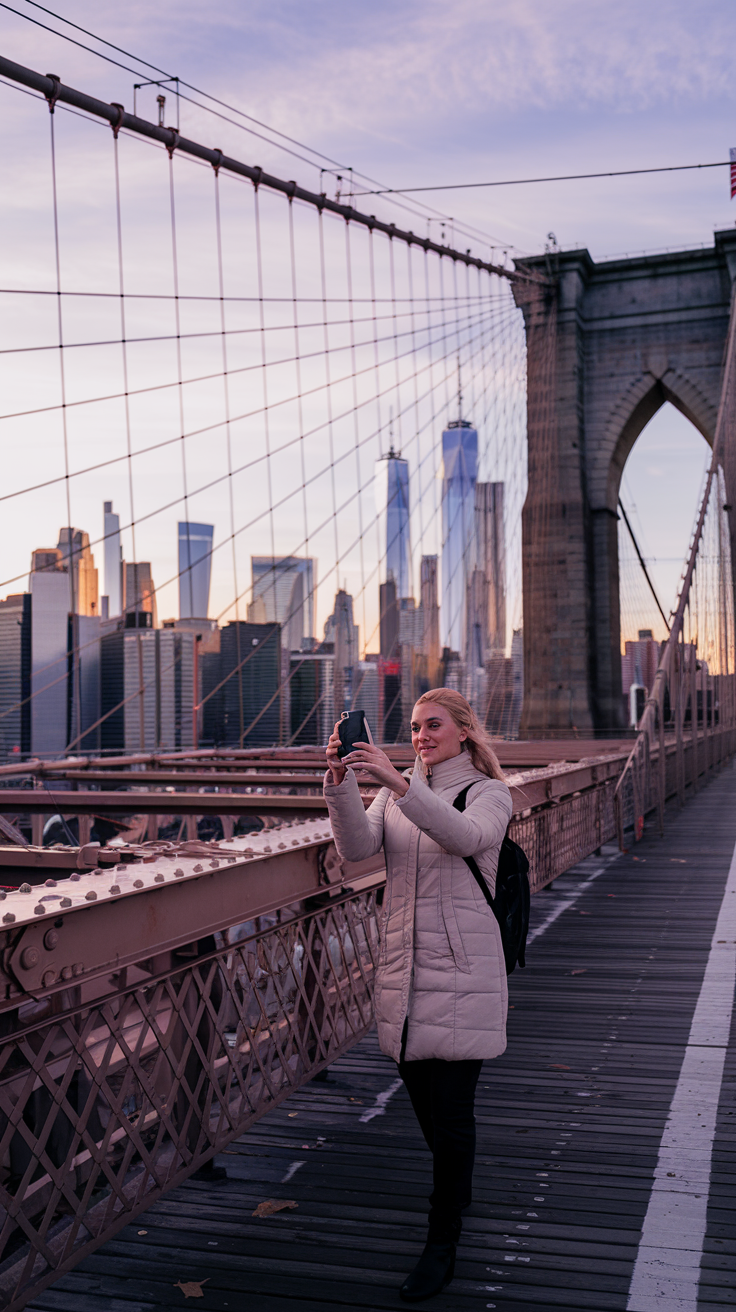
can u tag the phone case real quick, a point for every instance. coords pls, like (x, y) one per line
(353, 728)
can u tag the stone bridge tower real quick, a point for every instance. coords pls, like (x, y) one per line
(607, 345)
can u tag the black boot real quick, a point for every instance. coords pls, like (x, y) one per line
(432, 1273)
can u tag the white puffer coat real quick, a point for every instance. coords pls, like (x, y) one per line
(441, 961)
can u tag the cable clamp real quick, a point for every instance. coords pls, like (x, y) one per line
(291, 190)
(53, 95)
(174, 142)
(218, 165)
(259, 174)
(116, 126)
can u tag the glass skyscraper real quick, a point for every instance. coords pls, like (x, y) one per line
(113, 562)
(284, 592)
(460, 471)
(195, 567)
(392, 497)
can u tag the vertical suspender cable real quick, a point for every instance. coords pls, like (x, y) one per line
(356, 425)
(62, 381)
(228, 439)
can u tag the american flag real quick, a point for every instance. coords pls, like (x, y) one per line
(732, 154)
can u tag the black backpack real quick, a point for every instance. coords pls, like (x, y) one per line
(510, 906)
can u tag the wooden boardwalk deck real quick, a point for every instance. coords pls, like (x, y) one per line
(570, 1124)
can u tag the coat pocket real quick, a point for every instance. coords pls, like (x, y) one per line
(451, 926)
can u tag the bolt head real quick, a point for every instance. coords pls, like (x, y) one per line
(50, 939)
(29, 958)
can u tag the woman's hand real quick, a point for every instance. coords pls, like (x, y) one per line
(367, 759)
(333, 760)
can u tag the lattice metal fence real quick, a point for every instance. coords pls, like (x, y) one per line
(104, 1106)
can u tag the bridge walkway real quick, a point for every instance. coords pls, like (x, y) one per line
(572, 1163)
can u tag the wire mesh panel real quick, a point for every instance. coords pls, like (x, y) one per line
(104, 1106)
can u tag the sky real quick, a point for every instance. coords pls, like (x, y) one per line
(421, 94)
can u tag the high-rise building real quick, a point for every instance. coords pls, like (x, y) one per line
(85, 683)
(388, 619)
(460, 471)
(344, 633)
(50, 608)
(148, 675)
(250, 664)
(430, 609)
(78, 560)
(392, 496)
(112, 601)
(139, 595)
(15, 676)
(490, 559)
(367, 693)
(312, 702)
(195, 568)
(284, 593)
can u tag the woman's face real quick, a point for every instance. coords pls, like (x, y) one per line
(434, 735)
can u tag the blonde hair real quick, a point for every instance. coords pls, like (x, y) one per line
(477, 741)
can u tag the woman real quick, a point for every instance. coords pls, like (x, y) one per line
(440, 995)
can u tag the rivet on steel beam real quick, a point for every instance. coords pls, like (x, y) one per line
(8, 918)
(90, 897)
(267, 849)
(215, 865)
(50, 883)
(282, 846)
(25, 888)
(77, 968)
(49, 979)
(65, 902)
(29, 958)
(76, 876)
(178, 873)
(114, 888)
(159, 878)
(198, 870)
(66, 972)
(39, 910)
(50, 940)
(137, 883)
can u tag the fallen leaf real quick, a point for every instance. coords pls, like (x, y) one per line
(142, 1232)
(360, 1100)
(557, 1066)
(582, 971)
(271, 1205)
(191, 1288)
(293, 1113)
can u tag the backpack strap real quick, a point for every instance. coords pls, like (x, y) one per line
(470, 861)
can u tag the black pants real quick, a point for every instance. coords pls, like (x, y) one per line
(443, 1094)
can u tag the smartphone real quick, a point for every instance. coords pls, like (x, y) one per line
(353, 728)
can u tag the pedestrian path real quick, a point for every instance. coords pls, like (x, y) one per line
(611, 1116)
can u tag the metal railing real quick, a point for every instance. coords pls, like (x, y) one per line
(154, 1008)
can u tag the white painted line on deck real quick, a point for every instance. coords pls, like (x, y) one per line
(292, 1171)
(667, 1269)
(380, 1105)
